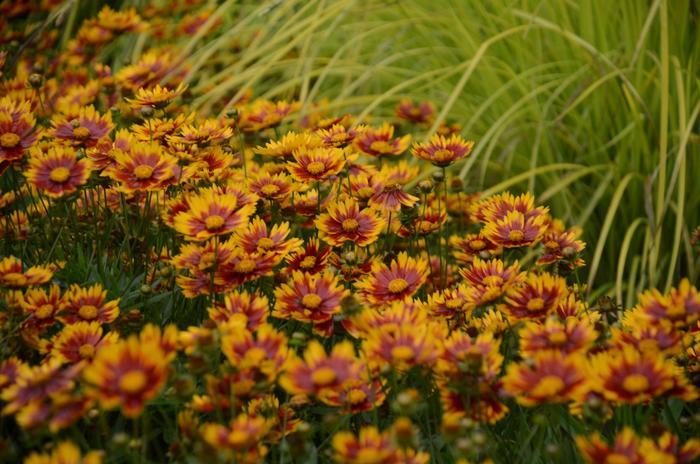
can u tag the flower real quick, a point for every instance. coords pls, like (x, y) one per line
(42, 307)
(443, 151)
(262, 352)
(311, 260)
(421, 113)
(346, 222)
(401, 279)
(570, 336)
(212, 213)
(316, 164)
(289, 143)
(243, 437)
(127, 374)
(680, 306)
(82, 128)
(627, 448)
(89, 304)
(255, 238)
(277, 187)
(490, 279)
(252, 308)
(313, 298)
(80, 341)
(12, 273)
(629, 376)
(58, 172)
(143, 167)
(379, 142)
(157, 97)
(553, 378)
(65, 452)
(535, 298)
(515, 230)
(369, 447)
(318, 373)
(392, 197)
(17, 133)
(562, 247)
(36, 383)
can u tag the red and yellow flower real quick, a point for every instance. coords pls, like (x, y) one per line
(212, 213)
(17, 129)
(58, 172)
(89, 304)
(143, 167)
(535, 298)
(316, 164)
(380, 142)
(313, 298)
(443, 151)
(346, 222)
(127, 374)
(13, 274)
(80, 341)
(397, 281)
(81, 127)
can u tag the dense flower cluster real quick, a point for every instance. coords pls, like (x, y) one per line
(264, 283)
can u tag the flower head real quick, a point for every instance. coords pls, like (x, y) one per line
(397, 281)
(346, 222)
(58, 172)
(443, 151)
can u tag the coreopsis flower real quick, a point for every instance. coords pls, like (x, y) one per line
(313, 298)
(553, 377)
(535, 298)
(58, 172)
(465, 248)
(569, 336)
(346, 222)
(80, 341)
(17, 129)
(241, 305)
(401, 279)
(680, 306)
(401, 173)
(627, 448)
(65, 452)
(442, 151)
(318, 373)
(515, 230)
(669, 445)
(243, 438)
(212, 213)
(158, 129)
(450, 302)
(127, 374)
(82, 128)
(89, 304)
(369, 447)
(392, 197)
(290, 143)
(402, 346)
(255, 238)
(156, 97)
(143, 167)
(562, 247)
(127, 20)
(636, 331)
(8, 371)
(316, 164)
(262, 352)
(337, 135)
(630, 376)
(272, 187)
(36, 383)
(14, 275)
(262, 114)
(498, 206)
(420, 113)
(490, 279)
(204, 133)
(463, 357)
(379, 142)
(42, 307)
(149, 70)
(311, 260)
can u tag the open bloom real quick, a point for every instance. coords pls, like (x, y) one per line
(17, 132)
(58, 172)
(82, 128)
(143, 166)
(13, 274)
(627, 447)
(89, 304)
(157, 97)
(380, 141)
(66, 452)
(212, 213)
(127, 374)
(316, 164)
(630, 376)
(346, 222)
(243, 438)
(681, 306)
(318, 373)
(311, 298)
(553, 378)
(538, 296)
(443, 151)
(80, 341)
(397, 281)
